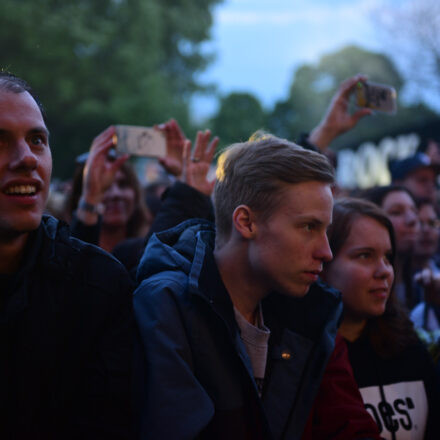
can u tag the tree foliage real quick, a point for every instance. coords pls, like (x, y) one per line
(312, 88)
(413, 38)
(239, 115)
(96, 62)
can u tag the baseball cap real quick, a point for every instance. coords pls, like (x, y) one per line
(399, 169)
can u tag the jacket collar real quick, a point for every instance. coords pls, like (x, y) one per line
(40, 255)
(307, 315)
(18, 298)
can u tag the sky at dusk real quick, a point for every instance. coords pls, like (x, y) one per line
(259, 43)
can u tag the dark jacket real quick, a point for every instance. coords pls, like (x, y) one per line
(65, 340)
(193, 377)
(179, 202)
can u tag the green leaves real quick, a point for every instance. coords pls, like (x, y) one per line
(312, 88)
(99, 62)
(239, 115)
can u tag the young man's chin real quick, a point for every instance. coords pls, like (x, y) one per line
(299, 291)
(13, 229)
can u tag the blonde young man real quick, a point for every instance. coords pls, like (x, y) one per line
(223, 316)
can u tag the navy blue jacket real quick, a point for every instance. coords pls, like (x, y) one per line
(193, 377)
(65, 342)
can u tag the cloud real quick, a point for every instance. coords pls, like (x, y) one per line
(286, 15)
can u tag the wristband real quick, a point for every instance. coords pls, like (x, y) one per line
(89, 207)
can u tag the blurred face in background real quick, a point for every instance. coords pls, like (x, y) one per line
(402, 211)
(362, 269)
(421, 183)
(427, 239)
(119, 202)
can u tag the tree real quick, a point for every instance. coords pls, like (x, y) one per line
(239, 115)
(96, 62)
(413, 37)
(314, 85)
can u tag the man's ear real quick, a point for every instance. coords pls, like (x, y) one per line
(243, 219)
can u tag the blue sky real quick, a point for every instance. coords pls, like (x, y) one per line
(259, 43)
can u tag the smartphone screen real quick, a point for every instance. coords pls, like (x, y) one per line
(140, 141)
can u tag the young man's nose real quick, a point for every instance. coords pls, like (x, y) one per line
(23, 156)
(323, 251)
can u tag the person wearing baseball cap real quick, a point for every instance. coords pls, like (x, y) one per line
(417, 173)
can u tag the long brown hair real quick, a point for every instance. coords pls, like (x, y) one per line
(391, 332)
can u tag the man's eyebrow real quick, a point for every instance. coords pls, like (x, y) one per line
(35, 130)
(309, 219)
(39, 129)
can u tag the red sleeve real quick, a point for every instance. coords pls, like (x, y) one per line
(338, 411)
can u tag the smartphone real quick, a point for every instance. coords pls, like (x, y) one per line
(378, 97)
(140, 141)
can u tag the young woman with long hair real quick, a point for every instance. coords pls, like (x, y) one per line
(395, 374)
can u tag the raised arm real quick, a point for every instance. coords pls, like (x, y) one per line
(99, 174)
(337, 119)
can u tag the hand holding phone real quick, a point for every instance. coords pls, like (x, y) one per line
(339, 118)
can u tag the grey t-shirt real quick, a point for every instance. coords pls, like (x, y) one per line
(255, 339)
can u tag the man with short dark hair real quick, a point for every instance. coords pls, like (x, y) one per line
(230, 345)
(64, 304)
(426, 314)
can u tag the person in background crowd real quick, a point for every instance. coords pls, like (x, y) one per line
(394, 372)
(106, 203)
(188, 197)
(426, 315)
(416, 173)
(432, 150)
(223, 316)
(110, 208)
(400, 206)
(65, 306)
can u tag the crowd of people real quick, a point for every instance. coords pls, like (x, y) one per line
(264, 304)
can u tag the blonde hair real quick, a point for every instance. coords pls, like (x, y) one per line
(255, 173)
